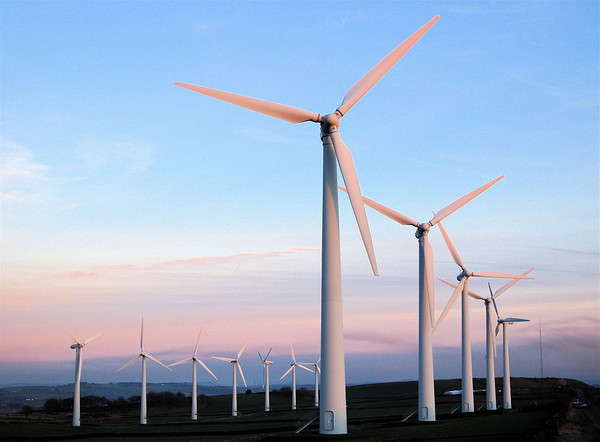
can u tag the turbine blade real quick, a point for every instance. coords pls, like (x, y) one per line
(241, 352)
(153, 359)
(205, 367)
(318, 368)
(487, 274)
(475, 295)
(451, 247)
(497, 329)
(142, 336)
(455, 294)
(470, 293)
(509, 284)
(293, 353)
(93, 338)
(127, 364)
(515, 320)
(286, 373)
(268, 353)
(197, 341)
(371, 78)
(241, 373)
(496, 308)
(281, 111)
(491, 291)
(494, 341)
(74, 339)
(429, 281)
(304, 368)
(220, 358)
(260, 357)
(344, 157)
(390, 213)
(453, 207)
(448, 283)
(183, 361)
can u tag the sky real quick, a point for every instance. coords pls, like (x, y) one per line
(122, 194)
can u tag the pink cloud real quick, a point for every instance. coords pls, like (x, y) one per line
(76, 274)
(183, 261)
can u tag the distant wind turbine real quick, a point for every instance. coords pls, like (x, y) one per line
(426, 407)
(490, 340)
(265, 361)
(506, 394)
(143, 355)
(78, 346)
(195, 360)
(317, 371)
(333, 416)
(235, 366)
(467, 399)
(292, 369)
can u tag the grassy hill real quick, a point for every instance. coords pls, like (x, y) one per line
(541, 412)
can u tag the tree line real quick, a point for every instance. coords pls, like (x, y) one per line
(164, 399)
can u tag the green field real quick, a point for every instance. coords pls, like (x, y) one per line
(375, 412)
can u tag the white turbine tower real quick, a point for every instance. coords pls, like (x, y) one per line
(333, 418)
(235, 364)
(143, 355)
(426, 408)
(506, 394)
(265, 361)
(292, 369)
(195, 360)
(490, 342)
(78, 345)
(467, 398)
(317, 371)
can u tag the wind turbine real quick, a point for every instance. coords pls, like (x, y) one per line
(265, 361)
(506, 395)
(317, 371)
(78, 345)
(333, 418)
(195, 360)
(490, 341)
(235, 363)
(143, 355)
(426, 408)
(292, 369)
(467, 399)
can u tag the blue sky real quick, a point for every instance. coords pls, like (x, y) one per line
(106, 163)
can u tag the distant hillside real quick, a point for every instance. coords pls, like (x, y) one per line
(15, 398)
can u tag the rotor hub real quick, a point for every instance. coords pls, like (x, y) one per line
(330, 123)
(462, 275)
(423, 229)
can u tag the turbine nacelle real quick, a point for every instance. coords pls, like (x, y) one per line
(423, 228)
(330, 123)
(464, 274)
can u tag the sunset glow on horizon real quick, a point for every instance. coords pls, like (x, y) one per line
(122, 195)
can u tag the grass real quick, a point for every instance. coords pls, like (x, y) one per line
(375, 412)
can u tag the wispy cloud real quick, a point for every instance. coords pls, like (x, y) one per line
(79, 274)
(185, 261)
(127, 156)
(567, 96)
(265, 136)
(208, 27)
(20, 173)
(373, 338)
(575, 252)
